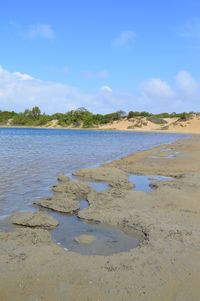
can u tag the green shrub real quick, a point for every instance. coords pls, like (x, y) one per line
(156, 120)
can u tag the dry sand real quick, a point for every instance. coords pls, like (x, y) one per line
(166, 265)
(192, 125)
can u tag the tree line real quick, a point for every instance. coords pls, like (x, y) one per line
(80, 117)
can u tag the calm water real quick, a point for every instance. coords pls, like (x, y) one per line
(31, 159)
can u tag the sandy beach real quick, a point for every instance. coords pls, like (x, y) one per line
(190, 125)
(164, 266)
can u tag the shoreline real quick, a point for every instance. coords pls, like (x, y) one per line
(102, 129)
(165, 267)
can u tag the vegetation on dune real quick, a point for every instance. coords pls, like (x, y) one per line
(32, 117)
(6, 116)
(156, 120)
(81, 117)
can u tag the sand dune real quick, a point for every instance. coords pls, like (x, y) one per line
(191, 125)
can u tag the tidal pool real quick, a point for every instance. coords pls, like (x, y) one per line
(143, 182)
(108, 240)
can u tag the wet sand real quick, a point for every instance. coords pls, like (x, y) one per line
(166, 264)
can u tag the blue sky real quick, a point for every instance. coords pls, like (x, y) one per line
(104, 55)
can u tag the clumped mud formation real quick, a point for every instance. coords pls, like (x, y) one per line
(33, 219)
(24, 237)
(114, 176)
(66, 196)
(62, 203)
(63, 178)
(75, 188)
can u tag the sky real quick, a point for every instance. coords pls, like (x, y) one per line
(108, 55)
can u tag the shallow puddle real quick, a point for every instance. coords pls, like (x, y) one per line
(99, 186)
(107, 240)
(143, 183)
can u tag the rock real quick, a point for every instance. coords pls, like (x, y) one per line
(33, 219)
(61, 203)
(85, 239)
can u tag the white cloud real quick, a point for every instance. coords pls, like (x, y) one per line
(156, 87)
(106, 89)
(40, 31)
(157, 95)
(186, 83)
(23, 76)
(19, 91)
(124, 39)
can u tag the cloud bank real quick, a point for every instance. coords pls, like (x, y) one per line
(19, 91)
(183, 94)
